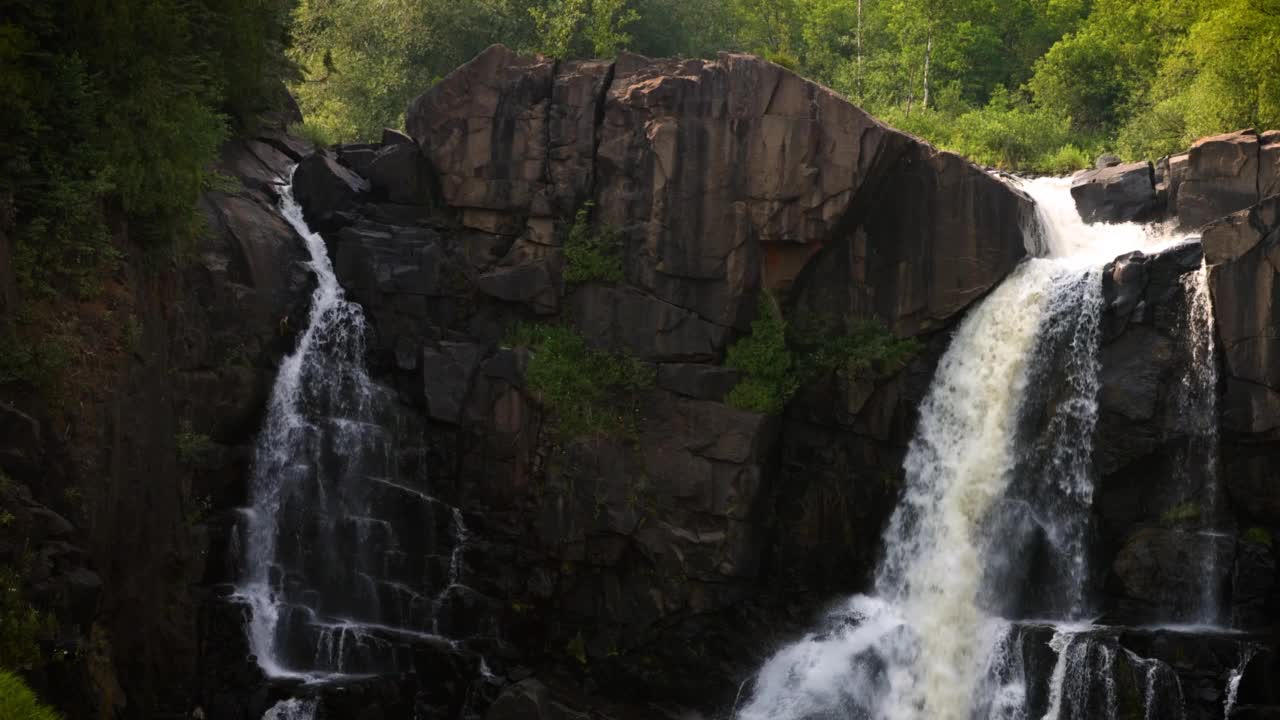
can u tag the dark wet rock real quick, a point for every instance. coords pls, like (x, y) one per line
(1243, 251)
(399, 173)
(700, 382)
(1115, 193)
(447, 372)
(1166, 569)
(325, 189)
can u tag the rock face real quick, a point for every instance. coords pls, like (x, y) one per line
(120, 495)
(725, 176)
(641, 558)
(1221, 178)
(1219, 175)
(1115, 193)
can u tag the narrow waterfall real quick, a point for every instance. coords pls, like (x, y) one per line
(1233, 680)
(1198, 411)
(348, 558)
(999, 471)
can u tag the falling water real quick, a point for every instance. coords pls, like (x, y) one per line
(1198, 412)
(291, 709)
(344, 548)
(1233, 680)
(1001, 463)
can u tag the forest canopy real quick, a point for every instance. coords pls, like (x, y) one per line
(1020, 84)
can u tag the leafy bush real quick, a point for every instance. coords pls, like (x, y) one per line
(22, 629)
(1064, 161)
(18, 702)
(866, 351)
(590, 392)
(192, 446)
(592, 253)
(1180, 514)
(769, 376)
(776, 361)
(1258, 536)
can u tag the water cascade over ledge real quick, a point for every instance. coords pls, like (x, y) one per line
(348, 559)
(983, 602)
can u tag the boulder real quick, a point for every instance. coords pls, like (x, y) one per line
(1243, 252)
(399, 174)
(1106, 160)
(395, 137)
(724, 176)
(324, 188)
(1221, 178)
(1115, 193)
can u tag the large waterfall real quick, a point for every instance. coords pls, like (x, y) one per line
(348, 557)
(997, 499)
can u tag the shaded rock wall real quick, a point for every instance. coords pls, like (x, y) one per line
(119, 479)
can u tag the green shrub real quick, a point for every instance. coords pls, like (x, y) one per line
(592, 253)
(22, 629)
(1181, 513)
(589, 392)
(192, 446)
(317, 134)
(775, 366)
(1258, 536)
(769, 376)
(1064, 161)
(18, 702)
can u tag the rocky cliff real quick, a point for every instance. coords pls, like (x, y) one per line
(636, 553)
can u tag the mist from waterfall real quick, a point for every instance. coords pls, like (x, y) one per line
(999, 471)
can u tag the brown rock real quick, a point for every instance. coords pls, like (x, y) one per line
(725, 176)
(1222, 177)
(1243, 251)
(1116, 193)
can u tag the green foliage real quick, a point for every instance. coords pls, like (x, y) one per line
(22, 629)
(192, 446)
(1180, 514)
(37, 365)
(18, 702)
(777, 360)
(769, 376)
(114, 112)
(592, 252)
(865, 351)
(1258, 536)
(589, 392)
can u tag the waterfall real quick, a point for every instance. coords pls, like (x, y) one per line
(1000, 466)
(291, 709)
(347, 556)
(1198, 413)
(1233, 680)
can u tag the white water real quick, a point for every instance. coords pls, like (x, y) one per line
(1198, 411)
(291, 709)
(930, 643)
(1233, 680)
(328, 355)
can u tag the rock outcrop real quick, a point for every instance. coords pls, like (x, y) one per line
(1115, 193)
(638, 559)
(1219, 175)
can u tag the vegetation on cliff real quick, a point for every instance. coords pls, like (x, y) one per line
(18, 702)
(776, 359)
(589, 392)
(1026, 84)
